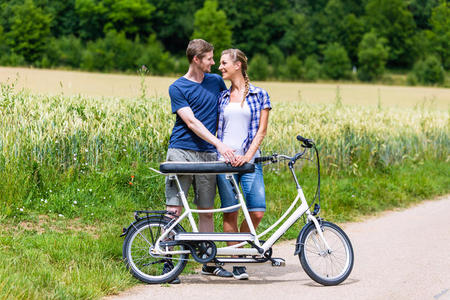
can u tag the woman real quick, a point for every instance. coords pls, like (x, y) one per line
(243, 117)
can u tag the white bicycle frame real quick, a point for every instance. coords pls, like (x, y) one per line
(235, 249)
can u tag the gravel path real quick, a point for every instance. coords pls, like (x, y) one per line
(398, 255)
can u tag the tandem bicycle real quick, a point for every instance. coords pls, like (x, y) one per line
(156, 239)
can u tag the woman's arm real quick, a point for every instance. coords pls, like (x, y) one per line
(254, 146)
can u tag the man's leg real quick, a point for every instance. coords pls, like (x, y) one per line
(205, 221)
(173, 201)
(205, 192)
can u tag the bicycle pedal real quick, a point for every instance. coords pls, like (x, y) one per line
(278, 262)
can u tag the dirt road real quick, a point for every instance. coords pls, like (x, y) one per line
(399, 255)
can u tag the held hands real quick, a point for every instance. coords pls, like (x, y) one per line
(226, 152)
(229, 156)
(239, 160)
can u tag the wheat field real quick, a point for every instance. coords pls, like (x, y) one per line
(56, 82)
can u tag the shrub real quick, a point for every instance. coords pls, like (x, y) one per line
(294, 67)
(336, 62)
(114, 52)
(429, 71)
(276, 58)
(411, 79)
(312, 69)
(156, 59)
(259, 67)
(372, 57)
(65, 51)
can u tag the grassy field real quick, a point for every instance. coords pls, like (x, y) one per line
(69, 83)
(73, 168)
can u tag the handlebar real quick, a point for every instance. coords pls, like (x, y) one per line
(306, 143)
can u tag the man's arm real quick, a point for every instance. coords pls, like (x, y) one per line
(201, 131)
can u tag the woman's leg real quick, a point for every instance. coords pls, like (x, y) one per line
(255, 197)
(228, 198)
(256, 217)
(230, 222)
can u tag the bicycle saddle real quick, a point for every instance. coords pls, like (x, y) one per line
(214, 167)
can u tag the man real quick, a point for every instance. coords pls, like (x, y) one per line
(194, 99)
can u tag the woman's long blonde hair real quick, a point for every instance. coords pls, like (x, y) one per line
(237, 55)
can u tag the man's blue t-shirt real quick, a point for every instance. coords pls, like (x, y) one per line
(202, 98)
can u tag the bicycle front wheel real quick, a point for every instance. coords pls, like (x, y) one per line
(326, 266)
(142, 262)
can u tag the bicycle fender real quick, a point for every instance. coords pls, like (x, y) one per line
(125, 230)
(298, 245)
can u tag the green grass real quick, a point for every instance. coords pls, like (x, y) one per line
(72, 170)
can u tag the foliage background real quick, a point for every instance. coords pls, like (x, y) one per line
(122, 35)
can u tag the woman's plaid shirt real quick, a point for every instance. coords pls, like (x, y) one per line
(257, 99)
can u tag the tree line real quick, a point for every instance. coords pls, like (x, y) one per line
(284, 39)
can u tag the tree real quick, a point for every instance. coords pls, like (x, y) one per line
(299, 37)
(92, 15)
(211, 25)
(129, 16)
(30, 31)
(257, 24)
(133, 17)
(439, 35)
(421, 11)
(372, 57)
(174, 29)
(392, 20)
(336, 63)
(353, 31)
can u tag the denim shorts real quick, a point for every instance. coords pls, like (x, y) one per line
(252, 185)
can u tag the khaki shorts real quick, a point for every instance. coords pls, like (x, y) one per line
(204, 185)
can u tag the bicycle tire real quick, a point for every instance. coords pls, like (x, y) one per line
(326, 268)
(141, 262)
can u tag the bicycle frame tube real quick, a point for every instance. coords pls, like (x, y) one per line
(234, 250)
(188, 213)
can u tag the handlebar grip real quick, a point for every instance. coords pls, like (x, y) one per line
(262, 159)
(308, 143)
(301, 139)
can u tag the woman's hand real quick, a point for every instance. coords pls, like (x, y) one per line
(239, 160)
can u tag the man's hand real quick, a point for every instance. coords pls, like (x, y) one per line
(226, 152)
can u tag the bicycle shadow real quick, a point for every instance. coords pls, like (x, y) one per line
(262, 274)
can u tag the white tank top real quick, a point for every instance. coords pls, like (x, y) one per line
(236, 125)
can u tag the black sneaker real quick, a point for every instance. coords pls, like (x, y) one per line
(217, 271)
(166, 269)
(240, 273)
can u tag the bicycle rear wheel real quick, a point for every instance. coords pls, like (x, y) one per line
(142, 262)
(324, 266)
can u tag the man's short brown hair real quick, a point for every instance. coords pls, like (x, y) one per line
(199, 48)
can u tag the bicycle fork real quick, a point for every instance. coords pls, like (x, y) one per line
(319, 230)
